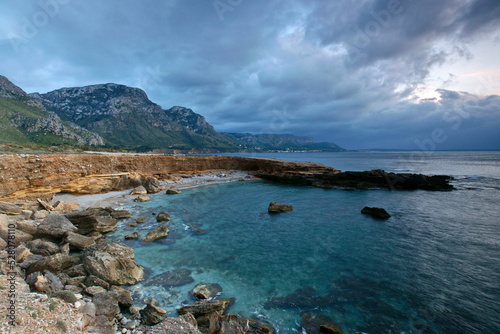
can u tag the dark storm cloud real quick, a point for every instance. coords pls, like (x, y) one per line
(342, 71)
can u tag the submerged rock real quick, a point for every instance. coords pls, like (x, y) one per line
(158, 233)
(376, 212)
(315, 323)
(177, 277)
(275, 207)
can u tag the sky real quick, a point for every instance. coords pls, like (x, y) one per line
(388, 74)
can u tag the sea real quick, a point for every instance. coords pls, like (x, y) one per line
(433, 267)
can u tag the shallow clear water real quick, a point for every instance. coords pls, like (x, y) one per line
(431, 268)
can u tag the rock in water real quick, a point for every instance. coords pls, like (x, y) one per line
(206, 290)
(275, 207)
(163, 217)
(376, 212)
(112, 262)
(159, 232)
(315, 323)
(120, 214)
(142, 198)
(134, 235)
(173, 191)
(177, 277)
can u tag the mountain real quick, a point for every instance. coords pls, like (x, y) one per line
(126, 118)
(24, 120)
(281, 142)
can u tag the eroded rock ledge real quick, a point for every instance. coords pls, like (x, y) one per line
(30, 176)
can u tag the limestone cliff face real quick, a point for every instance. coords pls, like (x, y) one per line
(24, 176)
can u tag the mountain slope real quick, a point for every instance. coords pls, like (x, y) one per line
(24, 120)
(281, 142)
(126, 118)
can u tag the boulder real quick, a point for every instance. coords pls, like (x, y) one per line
(153, 186)
(92, 280)
(106, 304)
(139, 191)
(28, 226)
(10, 208)
(101, 325)
(206, 290)
(92, 220)
(94, 290)
(140, 220)
(122, 295)
(163, 217)
(3, 244)
(96, 236)
(78, 241)
(152, 314)
(76, 280)
(48, 283)
(76, 270)
(65, 207)
(275, 207)
(21, 252)
(315, 323)
(177, 277)
(159, 232)
(173, 191)
(376, 212)
(232, 324)
(134, 235)
(42, 247)
(88, 311)
(185, 324)
(8, 228)
(202, 310)
(26, 214)
(120, 214)
(142, 198)
(55, 226)
(42, 214)
(64, 249)
(29, 260)
(54, 263)
(112, 262)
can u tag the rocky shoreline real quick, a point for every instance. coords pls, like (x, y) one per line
(58, 250)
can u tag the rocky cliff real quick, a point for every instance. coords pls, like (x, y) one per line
(126, 118)
(25, 120)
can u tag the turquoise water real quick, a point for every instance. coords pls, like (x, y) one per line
(431, 268)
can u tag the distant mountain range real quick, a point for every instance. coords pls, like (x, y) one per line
(121, 117)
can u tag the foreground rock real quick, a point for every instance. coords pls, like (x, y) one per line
(163, 217)
(158, 233)
(112, 262)
(206, 290)
(10, 209)
(56, 226)
(153, 186)
(376, 212)
(139, 191)
(92, 220)
(152, 314)
(275, 207)
(185, 324)
(232, 324)
(204, 309)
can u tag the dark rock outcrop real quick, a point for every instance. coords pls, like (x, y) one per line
(376, 212)
(275, 207)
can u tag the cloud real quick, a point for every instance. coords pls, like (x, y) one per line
(343, 71)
